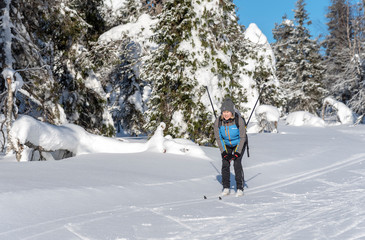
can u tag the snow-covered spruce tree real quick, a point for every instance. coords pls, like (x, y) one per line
(124, 12)
(223, 52)
(117, 57)
(338, 48)
(90, 12)
(131, 11)
(200, 44)
(284, 49)
(299, 63)
(117, 66)
(153, 7)
(81, 94)
(262, 66)
(345, 53)
(29, 55)
(168, 70)
(357, 101)
(50, 57)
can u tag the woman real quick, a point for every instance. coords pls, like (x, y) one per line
(231, 141)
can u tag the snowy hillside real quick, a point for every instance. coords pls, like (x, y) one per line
(302, 183)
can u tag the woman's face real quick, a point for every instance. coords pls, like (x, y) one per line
(226, 115)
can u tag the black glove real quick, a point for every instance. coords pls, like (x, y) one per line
(235, 155)
(226, 156)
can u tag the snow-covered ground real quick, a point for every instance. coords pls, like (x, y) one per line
(302, 183)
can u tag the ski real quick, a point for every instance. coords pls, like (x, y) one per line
(220, 196)
(211, 197)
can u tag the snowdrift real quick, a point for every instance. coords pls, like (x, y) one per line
(302, 118)
(30, 136)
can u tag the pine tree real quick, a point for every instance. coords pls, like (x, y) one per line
(128, 12)
(337, 44)
(198, 47)
(357, 102)
(52, 51)
(29, 53)
(345, 53)
(117, 64)
(168, 69)
(82, 96)
(89, 11)
(283, 33)
(131, 11)
(299, 63)
(261, 56)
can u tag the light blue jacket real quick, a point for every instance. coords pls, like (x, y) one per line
(228, 134)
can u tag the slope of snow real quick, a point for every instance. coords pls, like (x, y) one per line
(303, 183)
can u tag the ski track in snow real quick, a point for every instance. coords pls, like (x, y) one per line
(309, 174)
(324, 202)
(192, 225)
(74, 222)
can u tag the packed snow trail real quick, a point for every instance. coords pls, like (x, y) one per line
(303, 183)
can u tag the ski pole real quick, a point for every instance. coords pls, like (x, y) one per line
(211, 103)
(255, 104)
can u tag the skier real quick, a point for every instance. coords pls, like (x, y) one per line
(231, 141)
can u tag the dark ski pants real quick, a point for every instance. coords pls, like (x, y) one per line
(238, 170)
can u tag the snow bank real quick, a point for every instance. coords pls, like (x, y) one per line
(302, 118)
(344, 114)
(29, 131)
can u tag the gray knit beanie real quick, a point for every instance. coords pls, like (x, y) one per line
(227, 105)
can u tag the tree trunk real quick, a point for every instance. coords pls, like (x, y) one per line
(9, 115)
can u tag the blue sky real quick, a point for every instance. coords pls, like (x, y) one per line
(265, 13)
